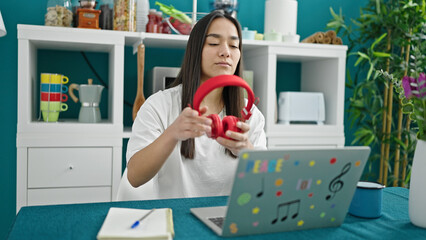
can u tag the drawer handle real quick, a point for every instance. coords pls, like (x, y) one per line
(71, 167)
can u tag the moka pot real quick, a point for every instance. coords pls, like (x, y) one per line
(90, 97)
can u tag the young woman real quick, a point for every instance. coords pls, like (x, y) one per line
(169, 154)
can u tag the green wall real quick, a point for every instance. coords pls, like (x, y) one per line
(312, 17)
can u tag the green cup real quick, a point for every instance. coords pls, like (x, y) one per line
(55, 106)
(50, 116)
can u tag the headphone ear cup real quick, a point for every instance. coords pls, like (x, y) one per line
(217, 129)
(229, 123)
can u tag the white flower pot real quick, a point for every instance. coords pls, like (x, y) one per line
(417, 197)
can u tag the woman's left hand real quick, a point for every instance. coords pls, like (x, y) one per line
(238, 140)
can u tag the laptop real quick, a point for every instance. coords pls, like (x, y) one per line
(288, 190)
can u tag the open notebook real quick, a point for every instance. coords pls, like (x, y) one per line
(287, 190)
(118, 223)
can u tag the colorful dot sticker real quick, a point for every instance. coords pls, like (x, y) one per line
(246, 155)
(332, 219)
(319, 181)
(333, 161)
(333, 205)
(279, 193)
(296, 163)
(310, 194)
(243, 199)
(311, 163)
(255, 224)
(322, 215)
(357, 163)
(255, 210)
(241, 175)
(233, 228)
(300, 223)
(312, 206)
(279, 182)
(287, 157)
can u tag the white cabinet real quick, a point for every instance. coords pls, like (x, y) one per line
(322, 70)
(69, 162)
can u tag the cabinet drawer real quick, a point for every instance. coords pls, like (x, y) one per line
(69, 167)
(68, 195)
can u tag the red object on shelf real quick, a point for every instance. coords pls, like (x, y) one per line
(152, 25)
(183, 28)
(166, 28)
(54, 97)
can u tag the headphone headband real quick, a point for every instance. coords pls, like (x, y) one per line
(222, 81)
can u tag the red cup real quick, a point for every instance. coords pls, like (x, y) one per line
(54, 97)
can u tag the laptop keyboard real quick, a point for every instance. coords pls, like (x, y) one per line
(218, 221)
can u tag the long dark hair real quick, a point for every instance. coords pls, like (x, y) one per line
(190, 74)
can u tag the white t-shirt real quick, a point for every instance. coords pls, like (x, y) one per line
(210, 173)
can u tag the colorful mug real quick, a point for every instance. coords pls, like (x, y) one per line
(54, 97)
(54, 78)
(49, 116)
(53, 106)
(56, 88)
(367, 200)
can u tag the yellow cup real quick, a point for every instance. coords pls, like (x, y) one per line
(54, 78)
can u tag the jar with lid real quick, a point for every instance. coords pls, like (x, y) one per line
(75, 4)
(106, 17)
(152, 25)
(58, 13)
(125, 15)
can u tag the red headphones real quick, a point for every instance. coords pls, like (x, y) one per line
(219, 127)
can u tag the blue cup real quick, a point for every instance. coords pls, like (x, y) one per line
(367, 200)
(55, 88)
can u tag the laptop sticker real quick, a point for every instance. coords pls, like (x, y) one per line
(299, 194)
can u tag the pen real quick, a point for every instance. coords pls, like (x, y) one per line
(142, 218)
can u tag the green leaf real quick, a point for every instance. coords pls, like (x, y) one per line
(370, 71)
(377, 41)
(363, 55)
(381, 54)
(335, 16)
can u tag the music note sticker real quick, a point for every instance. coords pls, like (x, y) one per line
(337, 184)
(262, 187)
(287, 206)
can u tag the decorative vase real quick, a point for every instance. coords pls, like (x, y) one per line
(417, 197)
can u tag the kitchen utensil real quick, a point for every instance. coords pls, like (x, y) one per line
(140, 98)
(90, 96)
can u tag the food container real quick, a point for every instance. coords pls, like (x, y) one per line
(125, 15)
(106, 17)
(58, 13)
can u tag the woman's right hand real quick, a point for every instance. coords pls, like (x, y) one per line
(190, 125)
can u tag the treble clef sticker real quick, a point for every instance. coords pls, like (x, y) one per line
(337, 184)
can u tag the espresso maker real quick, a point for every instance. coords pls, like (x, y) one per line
(90, 97)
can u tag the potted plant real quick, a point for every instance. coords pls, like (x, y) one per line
(388, 37)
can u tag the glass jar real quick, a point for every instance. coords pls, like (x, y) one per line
(125, 15)
(106, 17)
(152, 24)
(75, 5)
(59, 13)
